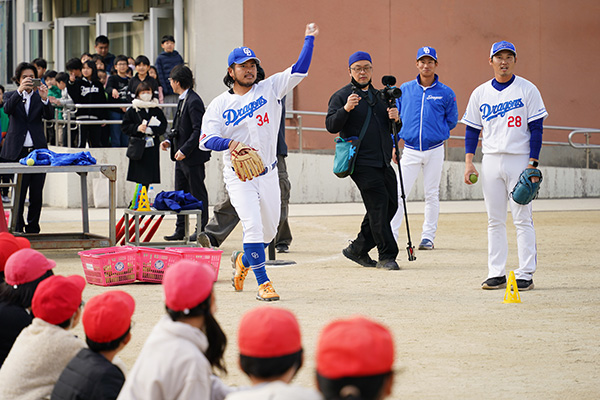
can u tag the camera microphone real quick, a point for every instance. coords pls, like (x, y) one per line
(388, 80)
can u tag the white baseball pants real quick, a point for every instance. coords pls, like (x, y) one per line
(412, 161)
(499, 174)
(257, 203)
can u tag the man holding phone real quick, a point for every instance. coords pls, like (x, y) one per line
(25, 108)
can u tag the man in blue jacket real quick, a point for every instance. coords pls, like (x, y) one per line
(428, 112)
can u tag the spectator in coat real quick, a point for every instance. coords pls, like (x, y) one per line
(165, 62)
(116, 88)
(142, 66)
(138, 121)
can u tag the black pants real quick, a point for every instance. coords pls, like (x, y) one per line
(379, 192)
(34, 184)
(90, 134)
(190, 179)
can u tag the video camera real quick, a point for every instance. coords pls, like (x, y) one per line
(390, 93)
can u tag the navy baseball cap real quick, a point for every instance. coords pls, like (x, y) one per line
(503, 45)
(240, 55)
(426, 52)
(359, 56)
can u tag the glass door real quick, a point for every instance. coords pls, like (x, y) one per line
(124, 30)
(72, 38)
(39, 42)
(160, 23)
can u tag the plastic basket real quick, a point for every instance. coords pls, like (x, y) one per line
(152, 263)
(212, 256)
(109, 266)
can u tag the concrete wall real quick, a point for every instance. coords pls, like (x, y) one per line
(311, 178)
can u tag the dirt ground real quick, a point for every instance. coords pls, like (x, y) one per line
(453, 340)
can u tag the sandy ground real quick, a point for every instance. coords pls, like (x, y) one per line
(453, 340)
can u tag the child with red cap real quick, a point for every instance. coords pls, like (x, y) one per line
(44, 348)
(178, 358)
(354, 360)
(92, 374)
(271, 355)
(8, 245)
(25, 269)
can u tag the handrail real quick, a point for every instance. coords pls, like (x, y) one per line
(587, 144)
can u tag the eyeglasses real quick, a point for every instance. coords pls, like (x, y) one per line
(362, 69)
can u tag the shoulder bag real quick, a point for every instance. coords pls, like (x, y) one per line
(346, 150)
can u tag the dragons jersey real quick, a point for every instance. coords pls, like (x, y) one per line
(503, 116)
(253, 118)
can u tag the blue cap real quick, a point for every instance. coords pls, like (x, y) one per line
(426, 52)
(359, 56)
(240, 55)
(503, 45)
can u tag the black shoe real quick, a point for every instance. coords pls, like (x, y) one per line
(362, 259)
(498, 282)
(282, 248)
(525, 285)
(193, 237)
(31, 228)
(205, 240)
(175, 236)
(390, 265)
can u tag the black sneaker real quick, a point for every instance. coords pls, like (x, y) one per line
(390, 265)
(363, 259)
(282, 248)
(525, 285)
(498, 282)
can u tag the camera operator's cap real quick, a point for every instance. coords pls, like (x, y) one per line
(354, 347)
(186, 284)
(26, 265)
(503, 45)
(359, 56)
(426, 51)
(57, 298)
(267, 332)
(240, 55)
(108, 316)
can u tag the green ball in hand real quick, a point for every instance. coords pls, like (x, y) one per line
(473, 178)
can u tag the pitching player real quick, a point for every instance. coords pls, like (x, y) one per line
(244, 122)
(510, 112)
(428, 112)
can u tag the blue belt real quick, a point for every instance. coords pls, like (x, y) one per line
(269, 168)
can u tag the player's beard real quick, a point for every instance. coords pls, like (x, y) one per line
(244, 84)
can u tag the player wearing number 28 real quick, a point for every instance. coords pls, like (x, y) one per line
(242, 121)
(510, 112)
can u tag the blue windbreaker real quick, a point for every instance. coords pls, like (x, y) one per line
(428, 114)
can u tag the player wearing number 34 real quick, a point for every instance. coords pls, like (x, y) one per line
(244, 122)
(510, 112)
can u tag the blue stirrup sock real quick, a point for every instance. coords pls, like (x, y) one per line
(254, 257)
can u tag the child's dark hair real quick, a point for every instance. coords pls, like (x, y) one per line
(121, 57)
(74, 64)
(50, 74)
(2, 89)
(109, 346)
(143, 86)
(167, 38)
(353, 388)
(62, 77)
(156, 72)
(92, 65)
(217, 341)
(23, 294)
(40, 62)
(270, 367)
(142, 60)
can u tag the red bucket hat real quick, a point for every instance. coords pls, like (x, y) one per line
(186, 284)
(57, 298)
(354, 347)
(26, 265)
(108, 316)
(268, 332)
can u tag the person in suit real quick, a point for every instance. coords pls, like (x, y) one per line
(25, 108)
(183, 142)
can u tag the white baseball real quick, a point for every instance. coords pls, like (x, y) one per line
(311, 27)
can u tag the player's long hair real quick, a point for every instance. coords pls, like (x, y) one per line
(260, 75)
(353, 388)
(217, 341)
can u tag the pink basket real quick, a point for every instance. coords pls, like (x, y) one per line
(212, 256)
(152, 263)
(109, 266)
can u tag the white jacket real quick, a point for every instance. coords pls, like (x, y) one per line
(36, 360)
(276, 390)
(171, 365)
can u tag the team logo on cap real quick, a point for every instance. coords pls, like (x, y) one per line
(159, 264)
(426, 50)
(119, 266)
(247, 51)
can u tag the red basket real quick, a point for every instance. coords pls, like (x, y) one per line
(212, 256)
(109, 266)
(152, 263)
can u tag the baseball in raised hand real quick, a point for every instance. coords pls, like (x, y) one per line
(311, 29)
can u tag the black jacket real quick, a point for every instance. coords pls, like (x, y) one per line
(83, 91)
(134, 83)
(21, 122)
(122, 85)
(146, 170)
(376, 147)
(89, 376)
(187, 134)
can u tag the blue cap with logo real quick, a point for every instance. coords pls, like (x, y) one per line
(359, 56)
(503, 45)
(426, 52)
(240, 55)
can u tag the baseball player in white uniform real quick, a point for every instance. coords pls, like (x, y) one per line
(510, 112)
(248, 116)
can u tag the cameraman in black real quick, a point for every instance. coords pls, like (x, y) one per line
(349, 110)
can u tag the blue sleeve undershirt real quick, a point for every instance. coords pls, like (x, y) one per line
(536, 128)
(301, 66)
(217, 143)
(471, 139)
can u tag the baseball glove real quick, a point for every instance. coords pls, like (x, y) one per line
(246, 162)
(525, 190)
